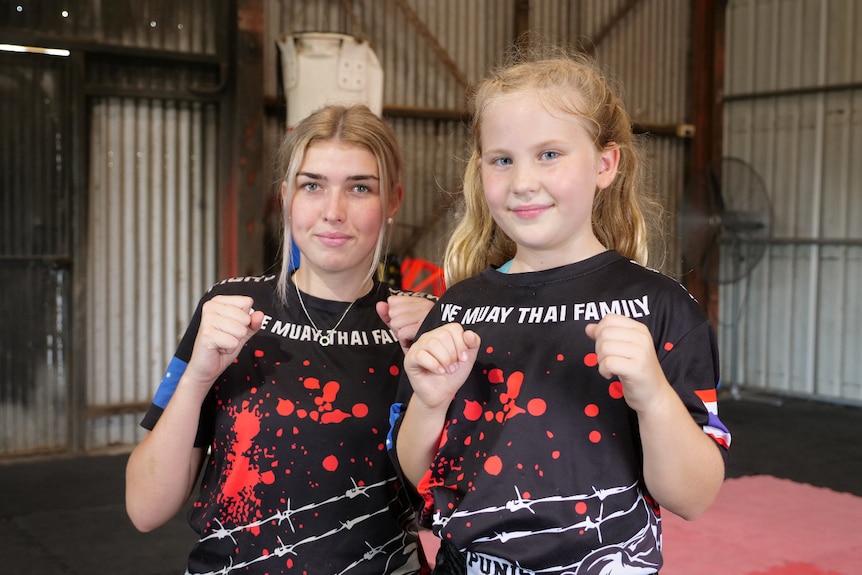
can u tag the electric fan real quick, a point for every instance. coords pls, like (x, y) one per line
(724, 220)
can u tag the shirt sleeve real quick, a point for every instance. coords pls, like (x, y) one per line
(691, 365)
(168, 385)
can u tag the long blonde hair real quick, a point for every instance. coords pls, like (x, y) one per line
(572, 84)
(354, 125)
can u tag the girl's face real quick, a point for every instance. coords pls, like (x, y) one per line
(540, 172)
(336, 214)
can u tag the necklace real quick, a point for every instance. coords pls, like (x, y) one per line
(324, 339)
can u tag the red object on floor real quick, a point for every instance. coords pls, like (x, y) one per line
(762, 525)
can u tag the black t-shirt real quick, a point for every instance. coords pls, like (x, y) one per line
(539, 462)
(298, 479)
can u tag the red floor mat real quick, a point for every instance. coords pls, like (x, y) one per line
(761, 525)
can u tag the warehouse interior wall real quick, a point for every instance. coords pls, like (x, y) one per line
(792, 102)
(138, 170)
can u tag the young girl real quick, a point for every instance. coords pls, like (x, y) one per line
(288, 380)
(561, 393)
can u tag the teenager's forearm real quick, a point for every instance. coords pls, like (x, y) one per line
(419, 439)
(683, 467)
(163, 468)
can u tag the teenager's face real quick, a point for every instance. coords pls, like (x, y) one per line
(336, 214)
(540, 172)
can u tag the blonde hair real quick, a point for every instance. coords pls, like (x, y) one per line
(354, 125)
(572, 84)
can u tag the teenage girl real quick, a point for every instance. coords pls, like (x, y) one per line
(279, 392)
(561, 393)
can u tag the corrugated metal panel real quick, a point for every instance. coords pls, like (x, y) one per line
(35, 206)
(435, 161)
(794, 89)
(35, 223)
(657, 31)
(273, 131)
(152, 242)
(425, 48)
(187, 26)
(152, 249)
(34, 379)
(556, 19)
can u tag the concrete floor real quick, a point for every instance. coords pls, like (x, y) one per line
(65, 516)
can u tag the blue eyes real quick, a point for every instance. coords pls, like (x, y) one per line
(315, 187)
(545, 156)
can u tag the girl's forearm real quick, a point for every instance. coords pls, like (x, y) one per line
(163, 467)
(683, 467)
(419, 439)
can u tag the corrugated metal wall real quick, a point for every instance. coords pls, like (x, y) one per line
(35, 254)
(153, 209)
(129, 23)
(146, 223)
(793, 111)
(431, 52)
(151, 249)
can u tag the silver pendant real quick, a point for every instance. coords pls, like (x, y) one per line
(325, 339)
